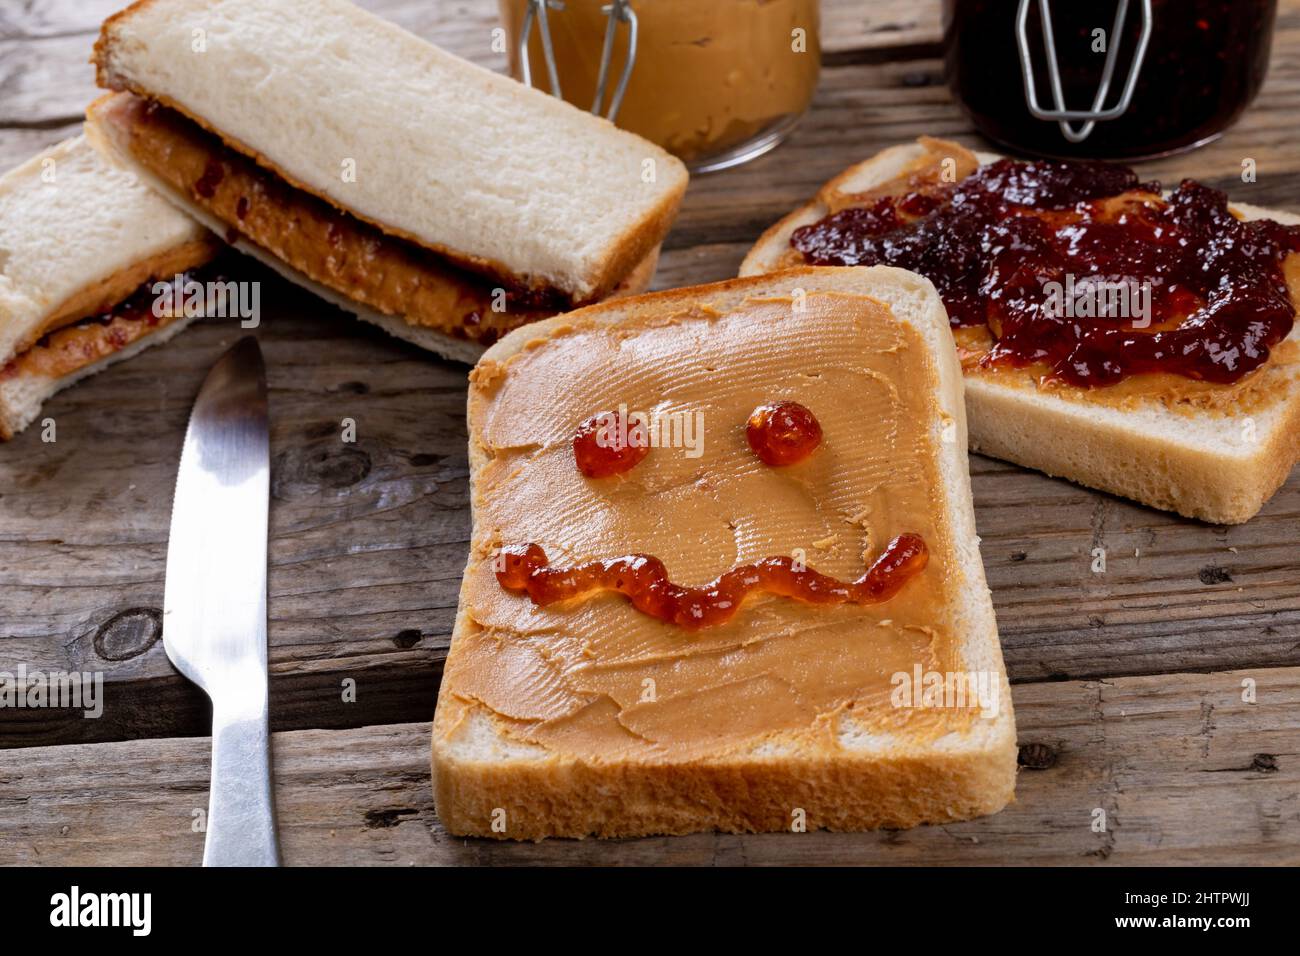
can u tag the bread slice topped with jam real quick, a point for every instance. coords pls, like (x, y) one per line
(441, 201)
(724, 572)
(1136, 340)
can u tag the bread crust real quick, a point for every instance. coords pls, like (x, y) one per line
(573, 799)
(544, 794)
(1018, 422)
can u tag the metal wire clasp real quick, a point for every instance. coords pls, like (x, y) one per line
(1097, 114)
(617, 12)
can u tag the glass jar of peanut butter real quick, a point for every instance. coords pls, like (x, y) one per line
(716, 82)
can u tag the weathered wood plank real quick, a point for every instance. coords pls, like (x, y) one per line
(880, 25)
(1185, 772)
(35, 19)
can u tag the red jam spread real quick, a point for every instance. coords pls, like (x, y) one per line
(1001, 244)
(609, 443)
(213, 173)
(644, 580)
(783, 433)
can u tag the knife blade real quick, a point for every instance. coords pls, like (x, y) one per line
(214, 603)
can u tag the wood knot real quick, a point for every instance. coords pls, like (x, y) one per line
(407, 638)
(128, 633)
(1036, 756)
(1264, 763)
(1213, 574)
(304, 472)
(352, 388)
(384, 819)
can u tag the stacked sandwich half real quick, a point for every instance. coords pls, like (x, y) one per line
(440, 201)
(81, 246)
(444, 202)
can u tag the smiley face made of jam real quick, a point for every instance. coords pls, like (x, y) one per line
(780, 433)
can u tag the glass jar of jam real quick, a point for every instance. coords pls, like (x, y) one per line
(1118, 79)
(715, 82)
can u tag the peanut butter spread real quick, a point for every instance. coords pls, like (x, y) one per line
(71, 348)
(596, 679)
(101, 297)
(106, 316)
(940, 161)
(342, 253)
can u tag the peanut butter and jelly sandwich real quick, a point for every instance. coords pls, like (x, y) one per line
(441, 201)
(82, 244)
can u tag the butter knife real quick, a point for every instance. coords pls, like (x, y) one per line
(214, 603)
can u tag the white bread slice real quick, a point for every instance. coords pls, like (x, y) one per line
(1219, 467)
(105, 136)
(73, 226)
(484, 170)
(871, 778)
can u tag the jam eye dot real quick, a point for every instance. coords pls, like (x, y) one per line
(783, 433)
(610, 443)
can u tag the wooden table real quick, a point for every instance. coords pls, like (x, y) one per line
(1128, 684)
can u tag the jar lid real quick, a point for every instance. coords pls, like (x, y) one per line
(1099, 111)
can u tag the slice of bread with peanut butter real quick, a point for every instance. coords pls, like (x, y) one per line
(1209, 429)
(81, 243)
(444, 202)
(692, 642)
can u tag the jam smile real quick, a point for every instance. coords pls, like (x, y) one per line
(644, 580)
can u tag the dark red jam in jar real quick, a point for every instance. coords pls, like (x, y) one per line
(1203, 64)
(1189, 289)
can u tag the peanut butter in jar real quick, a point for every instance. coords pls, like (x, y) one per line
(716, 82)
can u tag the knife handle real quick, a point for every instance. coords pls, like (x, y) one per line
(241, 804)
